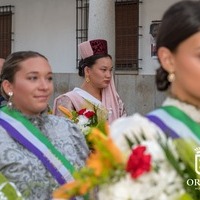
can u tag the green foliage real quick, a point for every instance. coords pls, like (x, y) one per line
(184, 165)
(8, 190)
(185, 197)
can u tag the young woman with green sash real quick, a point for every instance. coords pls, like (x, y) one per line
(39, 151)
(175, 125)
(178, 51)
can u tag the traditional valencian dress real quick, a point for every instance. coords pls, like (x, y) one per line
(78, 99)
(39, 153)
(109, 109)
(177, 119)
(174, 119)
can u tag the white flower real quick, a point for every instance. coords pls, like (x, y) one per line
(121, 190)
(84, 123)
(2, 196)
(161, 184)
(132, 127)
(82, 120)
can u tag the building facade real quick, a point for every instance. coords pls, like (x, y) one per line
(50, 27)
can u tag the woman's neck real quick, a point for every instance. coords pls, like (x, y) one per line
(95, 92)
(191, 101)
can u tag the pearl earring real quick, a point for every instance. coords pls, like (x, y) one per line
(171, 77)
(9, 103)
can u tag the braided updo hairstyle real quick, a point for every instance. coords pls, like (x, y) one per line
(179, 22)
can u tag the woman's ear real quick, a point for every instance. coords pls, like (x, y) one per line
(86, 71)
(166, 59)
(7, 86)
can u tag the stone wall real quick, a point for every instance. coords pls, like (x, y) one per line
(138, 92)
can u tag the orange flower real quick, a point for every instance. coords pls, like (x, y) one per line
(65, 191)
(84, 187)
(65, 111)
(75, 188)
(106, 154)
(114, 150)
(100, 164)
(107, 129)
(97, 136)
(95, 162)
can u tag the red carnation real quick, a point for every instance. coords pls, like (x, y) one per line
(89, 114)
(138, 162)
(81, 112)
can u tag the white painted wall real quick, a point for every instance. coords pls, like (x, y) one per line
(49, 26)
(150, 10)
(46, 26)
(102, 22)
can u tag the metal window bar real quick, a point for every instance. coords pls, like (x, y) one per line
(82, 14)
(126, 1)
(127, 35)
(6, 13)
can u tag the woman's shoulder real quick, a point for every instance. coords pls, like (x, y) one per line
(135, 122)
(64, 133)
(60, 121)
(69, 94)
(64, 96)
(61, 126)
(4, 136)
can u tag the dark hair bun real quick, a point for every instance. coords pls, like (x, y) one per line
(162, 82)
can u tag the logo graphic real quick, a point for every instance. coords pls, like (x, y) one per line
(195, 182)
(197, 160)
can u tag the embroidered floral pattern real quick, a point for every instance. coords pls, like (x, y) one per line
(99, 46)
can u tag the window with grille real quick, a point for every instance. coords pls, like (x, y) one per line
(126, 32)
(6, 13)
(82, 12)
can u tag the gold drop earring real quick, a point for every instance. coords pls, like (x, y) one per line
(87, 79)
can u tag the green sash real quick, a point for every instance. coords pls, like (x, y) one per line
(23, 131)
(175, 123)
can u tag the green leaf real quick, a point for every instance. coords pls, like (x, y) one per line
(185, 196)
(8, 189)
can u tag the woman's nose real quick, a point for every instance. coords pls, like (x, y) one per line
(109, 73)
(44, 84)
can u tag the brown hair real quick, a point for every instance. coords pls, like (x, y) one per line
(12, 65)
(179, 22)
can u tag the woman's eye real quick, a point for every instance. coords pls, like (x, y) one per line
(32, 78)
(50, 78)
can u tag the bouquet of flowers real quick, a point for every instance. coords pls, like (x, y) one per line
(84, 118)
(154, 170)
